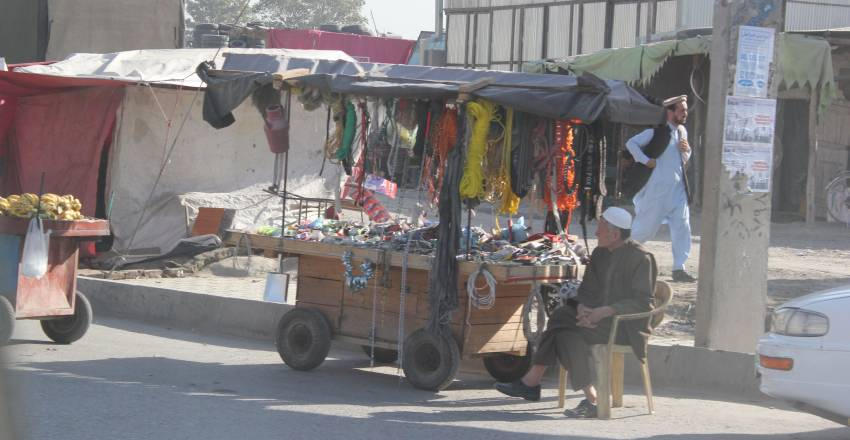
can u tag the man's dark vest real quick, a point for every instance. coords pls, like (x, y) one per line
(637, 174)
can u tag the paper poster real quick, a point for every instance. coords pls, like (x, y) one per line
(748, 140)
(755, 54)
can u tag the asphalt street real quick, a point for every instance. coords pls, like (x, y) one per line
(130, 381)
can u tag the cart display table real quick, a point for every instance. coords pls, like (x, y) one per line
(326, 309)
(65, 313)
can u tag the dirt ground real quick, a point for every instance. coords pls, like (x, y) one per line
(801, 260)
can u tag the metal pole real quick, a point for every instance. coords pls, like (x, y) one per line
(438, 18)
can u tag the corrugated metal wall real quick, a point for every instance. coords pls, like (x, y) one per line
(579, 27)
(799, 14)
(456, 39)
(532, 42)
(502, 38)
(560, 31)
(695, 13)
(665, 16)
(803, 16)
(592, 32)
(625, 25)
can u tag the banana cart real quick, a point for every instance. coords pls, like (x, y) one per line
(65, 313)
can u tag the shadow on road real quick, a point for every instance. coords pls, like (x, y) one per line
(217, 400)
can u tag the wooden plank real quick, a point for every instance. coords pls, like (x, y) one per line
(319, 291)
(364, 302)
(58, 228)
(505, 311)
(357, 322)
(212, 221)
(320, 267)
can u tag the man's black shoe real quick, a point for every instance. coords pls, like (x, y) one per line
(519, 389)
(681, 276)
(584, 410)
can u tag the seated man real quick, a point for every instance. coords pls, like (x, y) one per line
(620, 279)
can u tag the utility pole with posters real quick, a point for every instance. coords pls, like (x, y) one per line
(732, 291)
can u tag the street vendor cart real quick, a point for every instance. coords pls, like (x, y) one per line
(396, 305)
(65, 313)
(478, 137)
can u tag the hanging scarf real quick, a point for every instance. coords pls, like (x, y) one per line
(443, 280)
(445, 139)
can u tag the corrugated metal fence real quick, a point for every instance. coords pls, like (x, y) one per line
(503, 34)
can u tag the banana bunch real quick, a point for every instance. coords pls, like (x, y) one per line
(53, 207)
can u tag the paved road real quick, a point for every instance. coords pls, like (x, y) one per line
(129, 381)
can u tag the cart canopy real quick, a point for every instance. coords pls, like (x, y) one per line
(587, 97)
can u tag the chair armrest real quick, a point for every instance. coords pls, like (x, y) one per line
(615, 322)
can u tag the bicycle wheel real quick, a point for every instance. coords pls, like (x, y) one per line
(838, 198)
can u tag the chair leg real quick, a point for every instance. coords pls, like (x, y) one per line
(617, 366)
(603, 380)
(562, 386)
(647, 384)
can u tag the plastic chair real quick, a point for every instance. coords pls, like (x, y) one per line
(609, 359)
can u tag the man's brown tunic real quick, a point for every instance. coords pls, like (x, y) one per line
(623, 279)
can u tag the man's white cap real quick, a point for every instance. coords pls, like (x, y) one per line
(618, 217)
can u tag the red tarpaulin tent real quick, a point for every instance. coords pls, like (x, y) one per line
(361, 47)
(57, 126)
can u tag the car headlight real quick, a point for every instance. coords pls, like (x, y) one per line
(799, 322)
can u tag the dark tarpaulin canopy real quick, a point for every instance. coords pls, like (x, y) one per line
(562, 97)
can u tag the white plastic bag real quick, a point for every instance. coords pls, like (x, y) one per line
(36, 246)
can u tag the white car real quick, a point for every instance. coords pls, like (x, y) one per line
(805, 357)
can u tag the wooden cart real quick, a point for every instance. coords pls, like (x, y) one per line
(65, 313)
(326, 309)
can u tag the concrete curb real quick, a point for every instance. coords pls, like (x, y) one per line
(183, 310)
(670, 366)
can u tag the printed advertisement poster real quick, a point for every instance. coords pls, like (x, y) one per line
(748, 140)
(755, 53)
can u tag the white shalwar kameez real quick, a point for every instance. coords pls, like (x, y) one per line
(663, 199)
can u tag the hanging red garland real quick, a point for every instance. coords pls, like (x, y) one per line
(564, 169)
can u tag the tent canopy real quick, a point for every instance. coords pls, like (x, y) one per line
(587, 97)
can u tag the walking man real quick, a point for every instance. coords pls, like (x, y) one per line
(620, 279)
(665, 151)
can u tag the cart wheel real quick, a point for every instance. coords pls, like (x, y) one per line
(430, 361)
(71, 328)
(382, 355)
(507, 367)
(7, 320)
(303, 338)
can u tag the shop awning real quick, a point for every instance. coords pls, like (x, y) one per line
(803, 62)
(585, 97)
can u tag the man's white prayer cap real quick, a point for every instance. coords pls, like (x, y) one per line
(618, 217)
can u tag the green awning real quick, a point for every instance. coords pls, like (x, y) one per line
(804, 62)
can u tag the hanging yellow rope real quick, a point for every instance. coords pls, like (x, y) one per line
(481, 114)
(510, 201)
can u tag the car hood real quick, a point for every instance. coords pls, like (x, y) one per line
(825, 295)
